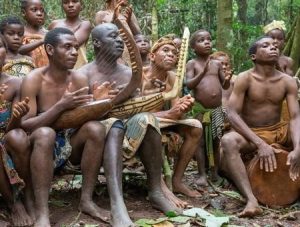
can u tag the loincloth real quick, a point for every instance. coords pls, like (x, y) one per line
(136, 128)
(39, 54)
(18, 67)
(213, 123)
(276, 135)
(81, 59)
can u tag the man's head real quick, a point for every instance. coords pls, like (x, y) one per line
(164, 54)
(201, 42)
(264, 50)
(107, 41)
(143, 44)
(61, 47)
(13, 31)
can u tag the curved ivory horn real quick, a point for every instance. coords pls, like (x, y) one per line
(150, 102)
(98, 109)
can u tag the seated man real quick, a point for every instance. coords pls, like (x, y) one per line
(142, 134)
(50, 91)
(160, 74)
(254, 105)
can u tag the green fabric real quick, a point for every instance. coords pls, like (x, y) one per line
(206, 122)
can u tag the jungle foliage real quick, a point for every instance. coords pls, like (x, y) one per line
(244, 18)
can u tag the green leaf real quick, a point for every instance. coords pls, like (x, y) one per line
(143, 222)
(180, 219)
(171, 214)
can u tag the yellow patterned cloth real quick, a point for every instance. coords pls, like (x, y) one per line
(81, 60)
(274, 25)
(39, 54)
(18, 67)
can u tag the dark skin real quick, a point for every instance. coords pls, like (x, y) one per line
(17, 146)
(108, 47)
(81, 28)
(106, 16)
(285, 63)
(52, 90)
(34, 14)
(163, 61)
(13, 34)
(206, 78)
(143, 44)
(255, 103)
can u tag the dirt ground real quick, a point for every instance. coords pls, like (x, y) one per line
(65, 196)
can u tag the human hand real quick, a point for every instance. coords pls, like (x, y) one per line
(3, 88)
(182, 106)
(20, 109)
(267, 157)
(128, 13)
(105, 90)
(293, 160)
(228, 73)
(117, 9)
(160, 85)
(74, 99)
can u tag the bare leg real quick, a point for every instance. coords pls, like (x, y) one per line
(41, 166)
(113, 165)
(150, 152)
(187, 151)
(18, 146)
(233, 166)
(200, 157)
(87, 150)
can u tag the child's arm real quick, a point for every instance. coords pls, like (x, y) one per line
(83, 32)
(224, 77)
(25, 49)
(191, 80)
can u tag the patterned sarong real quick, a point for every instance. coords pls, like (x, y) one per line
(18, 67)
(81, 59)
(15, 181)
(39, 54)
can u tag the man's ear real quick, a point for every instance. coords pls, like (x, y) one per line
(97, 43)
(151, 57)
(253, 57)
(49, 49)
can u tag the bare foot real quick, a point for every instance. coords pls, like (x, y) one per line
(201, 181)
(181, 188)
(160, 202)
(119, 216)
(252, 209)
(29, 205)
(42, 221)
(170, 196)
(90, 208)
(19, 215)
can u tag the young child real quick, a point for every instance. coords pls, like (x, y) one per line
(205, 77)
(15, 64)
(14, 148)
(143, 43)
(276, 31)
(34, 15)
(81, 28)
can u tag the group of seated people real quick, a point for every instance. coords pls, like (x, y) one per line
(44, 73)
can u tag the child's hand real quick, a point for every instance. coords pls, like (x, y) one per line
(3, 88)
(20, 109)
(128, 13)
(228, 74)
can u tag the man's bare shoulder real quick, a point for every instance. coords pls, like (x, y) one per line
(190, 63)
(55, 23)
(244, 77)
(85, 69)
(11, 81)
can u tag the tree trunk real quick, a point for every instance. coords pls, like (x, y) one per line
(295, 51)
(242, 10)
(154, 24)
(224, 24)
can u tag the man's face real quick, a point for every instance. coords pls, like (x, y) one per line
(267, 51)
(203, 43)
(165, 57)
(72, 8)
(111, 44)
(278, 36)
(2, 53)
(65, 54)
(35, 13)
(13, 34)
(143, 44)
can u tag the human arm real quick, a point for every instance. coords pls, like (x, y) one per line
(289, 67)
(193, 80)
(234, 109)
(83, 32)
(224, 76)
(27, 48)
(293, 107)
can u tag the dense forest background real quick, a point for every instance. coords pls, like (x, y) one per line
(234, 24)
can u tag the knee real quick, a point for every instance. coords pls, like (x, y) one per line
(194, 133)
(17, 140)
(94, 130)
(43, 136)
(230, 143)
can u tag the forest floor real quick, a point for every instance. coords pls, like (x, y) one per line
(219, 200)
